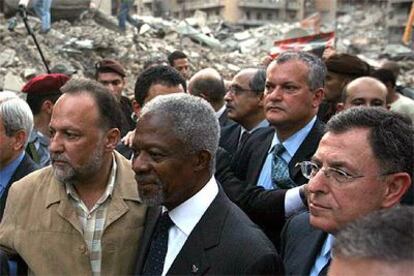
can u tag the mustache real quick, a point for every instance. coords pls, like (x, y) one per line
(58, 157)
(142, 178)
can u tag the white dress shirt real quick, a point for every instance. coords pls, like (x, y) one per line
(185, 218)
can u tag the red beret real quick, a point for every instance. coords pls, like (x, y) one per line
(111, 65)
(45, 84)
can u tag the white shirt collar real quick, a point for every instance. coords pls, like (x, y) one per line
(220, 111)
(186, 215)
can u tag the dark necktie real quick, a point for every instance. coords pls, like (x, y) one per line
(280, 170)
(243, 139)
(154, 263)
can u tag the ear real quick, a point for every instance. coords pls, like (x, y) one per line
(317, 97)
(202, 95)
(202, 160)
(397, 186)
(20, 138)
(47, 107)
(112, 138)
(340, 107)
(136, 107)
(261, 100)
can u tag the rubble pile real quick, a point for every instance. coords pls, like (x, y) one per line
(212, 43)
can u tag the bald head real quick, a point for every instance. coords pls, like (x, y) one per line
(366, 91)
(208, 84)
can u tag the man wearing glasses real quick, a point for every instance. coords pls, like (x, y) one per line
(244, 102)
(363, 163)
(292, 94)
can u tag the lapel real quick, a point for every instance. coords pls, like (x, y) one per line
(57, 194)
(125, 189)
(304, 248)
(306, 150)
(193, 257)
(150, 221)
(260, 149)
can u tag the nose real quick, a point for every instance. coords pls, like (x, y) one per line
(318, 183)
(275, 93)
(141, 163)
(228, 96)
(55, 143)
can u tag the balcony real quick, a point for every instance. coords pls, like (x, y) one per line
(262, 4)
(199, 5)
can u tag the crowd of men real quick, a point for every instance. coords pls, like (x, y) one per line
(301, 167)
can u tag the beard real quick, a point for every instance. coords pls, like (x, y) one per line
(155, 197)
(69, 174)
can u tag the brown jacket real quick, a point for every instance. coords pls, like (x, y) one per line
(41, 225)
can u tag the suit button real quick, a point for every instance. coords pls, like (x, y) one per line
(83, 249)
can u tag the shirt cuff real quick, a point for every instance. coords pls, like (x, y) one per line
(293, 202)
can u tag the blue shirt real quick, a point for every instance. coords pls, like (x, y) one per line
(323, 257)
(7, 172)
(291, 145)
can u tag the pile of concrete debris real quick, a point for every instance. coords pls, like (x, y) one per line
(227, 48)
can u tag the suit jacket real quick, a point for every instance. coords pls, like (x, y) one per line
(223, 242)
(229, 137)
(301, 244)
(25, 167)
(248, 161)
(41, 225)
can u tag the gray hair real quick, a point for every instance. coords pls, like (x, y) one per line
(385, 235)
(15, 114)
(257, 83)
(391, 135)
(193, 121)
(317, 69)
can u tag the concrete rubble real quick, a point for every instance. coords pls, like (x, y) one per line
(208, 43)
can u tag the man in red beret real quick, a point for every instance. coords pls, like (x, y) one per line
(112, 74)
(342, 68)
(42, 93)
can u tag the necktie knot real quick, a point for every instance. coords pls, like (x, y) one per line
(165, 223)
(278, 149)
(243, 139)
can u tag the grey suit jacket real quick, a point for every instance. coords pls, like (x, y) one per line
(224, 242)
(301, 244)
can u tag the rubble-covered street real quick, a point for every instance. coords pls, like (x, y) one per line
(208, 44)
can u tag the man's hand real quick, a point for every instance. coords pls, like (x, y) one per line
(128, 139)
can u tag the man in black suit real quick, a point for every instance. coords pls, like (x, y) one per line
(16, 123)
(364, 163)
(244, 101)
(209, 84)
(192, 226)
(293, 92)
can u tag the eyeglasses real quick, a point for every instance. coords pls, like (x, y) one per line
(310, 169)
(237, 90)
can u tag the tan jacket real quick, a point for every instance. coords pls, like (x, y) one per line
(41, 225)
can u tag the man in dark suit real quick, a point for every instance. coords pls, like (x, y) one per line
(364, 163)
(244, 101)
(16, 123)
(208, 84)
(192, 226)
(293, 92)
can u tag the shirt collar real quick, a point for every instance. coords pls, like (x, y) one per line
(220, 111)
(186, 215)
(293, 143)
(7, 172)
(70, 189)
(327, 246)
(37, 135)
